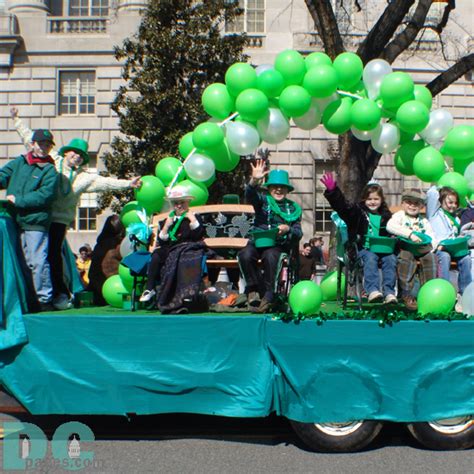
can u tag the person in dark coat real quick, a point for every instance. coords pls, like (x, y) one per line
(105, 256)
(272, 210)
(307, 263)
(182, 225)
(367, 218)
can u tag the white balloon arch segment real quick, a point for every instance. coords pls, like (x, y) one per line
(375, 103)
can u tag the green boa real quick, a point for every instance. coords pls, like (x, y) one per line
(287, 216)
(172, 232)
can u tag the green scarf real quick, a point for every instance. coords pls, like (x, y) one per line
(172, 232)
(287, 215)
(452, 218)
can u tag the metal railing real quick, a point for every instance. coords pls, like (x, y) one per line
(77, 25)
(8, 24)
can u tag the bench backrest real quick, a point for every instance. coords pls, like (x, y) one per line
(227, 225)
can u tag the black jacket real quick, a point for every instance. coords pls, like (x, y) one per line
(185, 233)
(355, 215)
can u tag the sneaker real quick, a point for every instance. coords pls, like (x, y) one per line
(253, 299)
(391, 299)
(147, 295)
(46, 307)
(264, 307)
(62, 302)
(458, 306)
(410, 303)
(375, 297)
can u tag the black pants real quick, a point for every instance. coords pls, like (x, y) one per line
(57, 233)
(158, 259)
(248, 258)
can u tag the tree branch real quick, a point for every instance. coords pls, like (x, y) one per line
(446, 78)
(323, 15)
(404, 39)
(383, 30)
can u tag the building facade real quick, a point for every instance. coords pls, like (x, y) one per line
(57, 66)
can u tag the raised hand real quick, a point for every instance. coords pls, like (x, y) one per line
(14, 113)
(136, 182)
(328, 181)
(258, 170)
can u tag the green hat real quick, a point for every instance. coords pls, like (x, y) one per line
(78, 145)
(279, 178)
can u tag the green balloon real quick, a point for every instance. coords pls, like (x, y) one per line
(459, 142)
(460, 166)
(199, 191)
(186, 145)
(113, 291)
(240, 76)
(428, 164)
(291, 65)
(252, 104)
(305, 298)
(405, 156)
(405, 137)
(271, 83)
(321, 81)
(129, 215)
(317, 59)
(349, 68)
(207, 135)
(456, 181)
(359, 89)
(337, 116)
(365, 114)
(294, 101)
(396, 88)
(217, 101)
(151, 194)
(436, 296)
(167, 168)
(413, 116)
(423, 94)
(329, 285)
(386, 112)
(224, 159)
(126, 277)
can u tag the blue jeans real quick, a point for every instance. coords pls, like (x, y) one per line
(464, 268)
(35, 249)
(371, 272)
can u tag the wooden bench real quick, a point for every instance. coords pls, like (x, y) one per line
(227, 227)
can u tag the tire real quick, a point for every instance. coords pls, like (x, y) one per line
(337, 437)
(448, 434)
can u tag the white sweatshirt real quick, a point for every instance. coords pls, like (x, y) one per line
(403, 225)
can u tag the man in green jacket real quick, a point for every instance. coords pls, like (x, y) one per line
(31, 183)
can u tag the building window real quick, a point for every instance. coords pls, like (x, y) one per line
(86, 215)
(88, 7)
(77, 92)
(251, 21)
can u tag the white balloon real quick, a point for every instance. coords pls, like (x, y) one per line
(262, 68)
(323, 103)
(365, 135)
(386, 139)
(274, 128)
(310, 119)
(469, 175)
(441, 122)
(374, 72)
(467, 299)
(199, 167)
(242, 137)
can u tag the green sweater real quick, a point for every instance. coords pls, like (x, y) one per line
(34, 188)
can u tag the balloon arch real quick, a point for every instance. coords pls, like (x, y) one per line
(256, 105)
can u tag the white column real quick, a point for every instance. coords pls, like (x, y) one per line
(15, 6)
(131, 5)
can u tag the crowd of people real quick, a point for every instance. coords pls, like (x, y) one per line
(43, 194)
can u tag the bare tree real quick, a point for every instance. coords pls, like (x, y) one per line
(392, 34)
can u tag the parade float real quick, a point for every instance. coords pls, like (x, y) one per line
(337, 374)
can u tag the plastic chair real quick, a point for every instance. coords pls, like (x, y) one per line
(347, 261)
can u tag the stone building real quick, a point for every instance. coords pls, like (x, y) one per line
(58, 68)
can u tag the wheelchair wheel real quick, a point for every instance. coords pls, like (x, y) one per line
(337, 437)
(447, 434)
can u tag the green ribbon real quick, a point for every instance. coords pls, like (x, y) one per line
(287, 215)
(172, 232)
(68, 189)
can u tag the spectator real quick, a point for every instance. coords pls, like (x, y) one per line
(31, 182)
(307, 263)
(105, 257)
(316, 244)
(83, 264)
